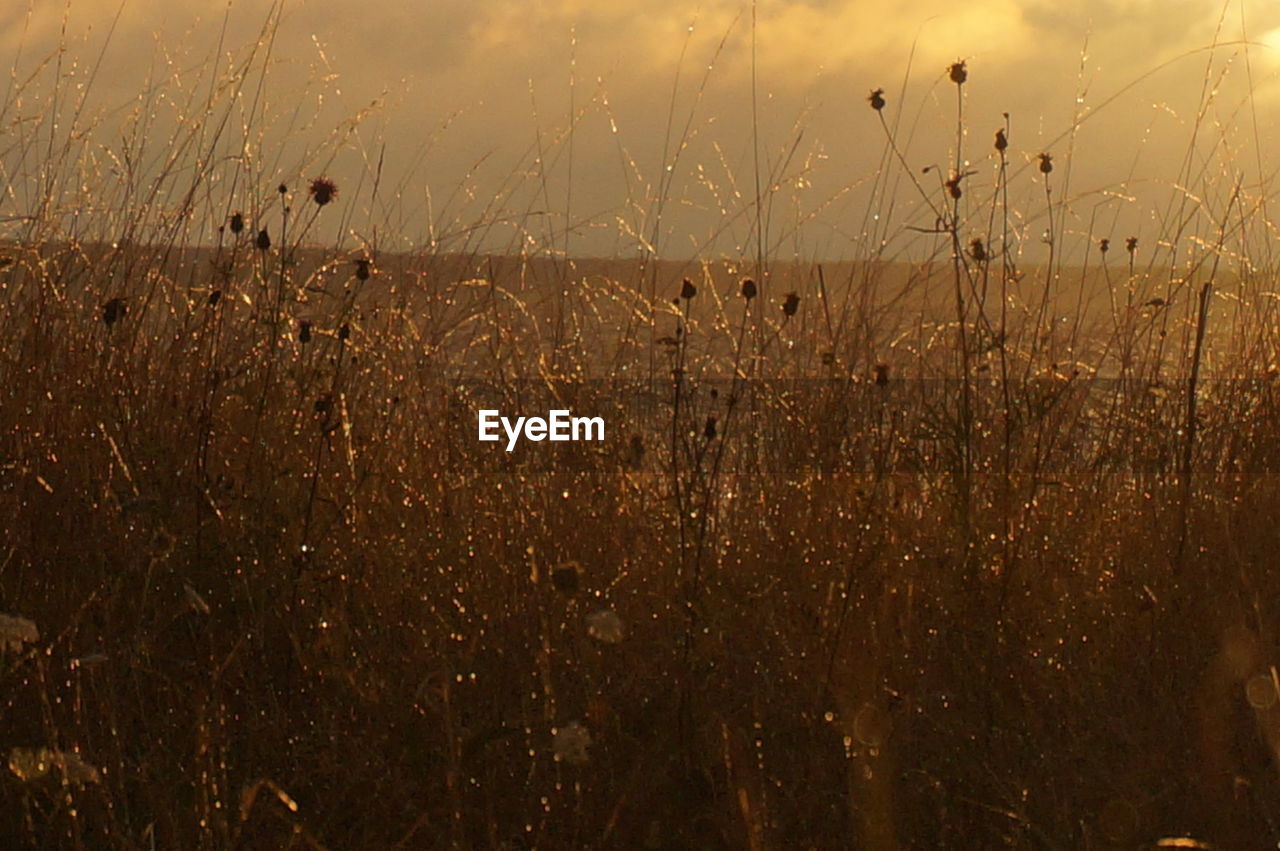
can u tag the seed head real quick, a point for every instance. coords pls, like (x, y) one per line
(1046, 163)
(882, 374)
(344, 331)
(977, 250)
(113, 311)
(709, 430)
(958, 72)
(237, 222)
(1131, 245)
(323, 190)
(215, 297)
(791, 304)
(688, 290)
(1002, 141)
(953, 186)
(282, 189)
(264, 240)
(362, 269)
(304, 331)
(748, 288)
(876, 99)
(1104, 245)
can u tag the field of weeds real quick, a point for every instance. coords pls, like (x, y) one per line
(956, 549)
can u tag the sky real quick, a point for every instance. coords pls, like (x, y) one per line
(615, 126)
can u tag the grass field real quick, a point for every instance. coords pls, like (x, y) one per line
(968, 544)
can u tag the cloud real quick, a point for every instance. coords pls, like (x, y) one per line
(488, 62)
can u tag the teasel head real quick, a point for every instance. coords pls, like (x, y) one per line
(1131, 245)
(264, 240)
(237, 223)
(876, 99)
(323, 190)
(953, 186)
(1046, 163)
(688, 290)
(1104, 245)
(1002, 141)
(362, 269)
(791, 304)
(748, 289)
(958, 72)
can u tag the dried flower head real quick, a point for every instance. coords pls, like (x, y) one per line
(958, 72)
(264, 240)
(748, 288)
(876, 99)
(1131, 245)
(1104, 245)
(605, 626)
(215, 297)
(953, 186)
(323, 190)
(709, 430)
(688, 290)
(882, 374)
(16, 631)
(344, 332)
(304, 331)
(977, 250)
(1046, 163)
(237, 222)
(362, 269)
(113, 311)
(791, 304)
(1002, 141)
(282, 189)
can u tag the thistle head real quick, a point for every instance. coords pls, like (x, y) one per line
(323, 190)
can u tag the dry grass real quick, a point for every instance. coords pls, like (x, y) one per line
(952, 572)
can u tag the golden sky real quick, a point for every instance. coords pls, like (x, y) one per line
(469, 92)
